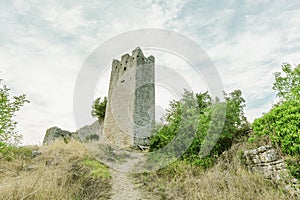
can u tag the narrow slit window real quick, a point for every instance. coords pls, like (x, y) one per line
(124, 68)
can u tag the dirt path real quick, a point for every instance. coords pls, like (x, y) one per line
(123, 187)
(120, 162)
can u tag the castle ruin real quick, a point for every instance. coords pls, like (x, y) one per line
(130, 111)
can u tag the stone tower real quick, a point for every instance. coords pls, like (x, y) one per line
(130, 111)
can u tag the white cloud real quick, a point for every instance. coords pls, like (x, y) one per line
(248, 53)
(44, 43)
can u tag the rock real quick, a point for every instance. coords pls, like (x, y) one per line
(56, 133)
(35, 153)
(91, 132)
(29, 168)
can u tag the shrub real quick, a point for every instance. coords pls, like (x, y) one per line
(11, 153)
(282, 125)
(188, 121)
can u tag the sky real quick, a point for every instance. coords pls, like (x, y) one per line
(43, 45)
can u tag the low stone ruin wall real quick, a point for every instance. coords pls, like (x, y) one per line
(267, 161)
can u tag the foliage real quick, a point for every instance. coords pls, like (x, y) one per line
(188, 121)
(288, 85)
(99, 108)
(282, 122)
(9, 106)
(167, 132)
(235, 124)
(292, 163)
(10, 153)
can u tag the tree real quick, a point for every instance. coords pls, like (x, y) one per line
(99, 108)
(287, 85)
(236, 123)
(8, 107)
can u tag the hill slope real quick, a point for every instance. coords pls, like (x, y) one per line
(56, 171)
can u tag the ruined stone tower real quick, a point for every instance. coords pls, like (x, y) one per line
(130, 111)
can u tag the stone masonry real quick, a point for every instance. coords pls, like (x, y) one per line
(267, 161)
(130, 113)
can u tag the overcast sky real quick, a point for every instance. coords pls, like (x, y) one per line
(43, 45)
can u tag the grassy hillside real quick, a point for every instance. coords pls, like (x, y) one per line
(228, 179)
(67, 171)
(57, 171)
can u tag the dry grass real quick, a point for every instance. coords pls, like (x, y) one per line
(62, 171)
(228, 179)
(66, 171)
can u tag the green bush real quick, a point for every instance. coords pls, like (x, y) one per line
(188, 121)
(282, 125)
(11, 153)
(282, 122)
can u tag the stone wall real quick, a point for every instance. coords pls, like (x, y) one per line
(267, 161)
(91, 132)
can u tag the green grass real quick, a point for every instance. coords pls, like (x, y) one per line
(97, 169)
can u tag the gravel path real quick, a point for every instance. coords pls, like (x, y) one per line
(123, 187)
